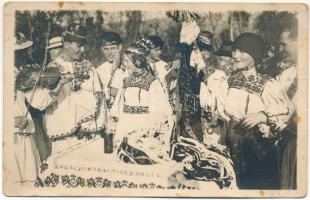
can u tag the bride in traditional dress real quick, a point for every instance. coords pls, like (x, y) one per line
(145, 115)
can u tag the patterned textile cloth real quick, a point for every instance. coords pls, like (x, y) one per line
(252, 84)
(129, 154)
(206, 162)
(203, 162)
(188, 92)
(141, 80)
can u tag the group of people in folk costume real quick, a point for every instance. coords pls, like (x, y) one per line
(223, 100)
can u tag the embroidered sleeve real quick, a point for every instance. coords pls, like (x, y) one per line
(277, 105)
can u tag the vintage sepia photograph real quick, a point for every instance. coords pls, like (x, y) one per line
(155, 99)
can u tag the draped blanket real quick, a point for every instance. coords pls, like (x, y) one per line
(204, 162)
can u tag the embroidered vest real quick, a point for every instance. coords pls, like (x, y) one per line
(253, 84)
(141, 80)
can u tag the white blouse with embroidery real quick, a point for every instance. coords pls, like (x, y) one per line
(257, 93)
(148, 107)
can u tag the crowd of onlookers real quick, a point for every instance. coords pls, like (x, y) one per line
(241, 95)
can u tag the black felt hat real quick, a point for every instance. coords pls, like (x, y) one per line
(225, 49)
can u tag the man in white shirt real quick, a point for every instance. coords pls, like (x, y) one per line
(111, 48)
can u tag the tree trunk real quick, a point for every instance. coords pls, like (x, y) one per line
(212, 22)
(231, 27)
(133, 26)
(29, 25)
(240, 23)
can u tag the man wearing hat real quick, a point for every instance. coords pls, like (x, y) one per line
(212, 95)
(26, 160)
(54, 47)
(76, 106)
(224, 55)
(258, 108)
(21, 56)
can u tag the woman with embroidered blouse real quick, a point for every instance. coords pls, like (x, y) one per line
(144, 114)
(259, 110)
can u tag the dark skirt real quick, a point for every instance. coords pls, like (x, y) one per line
(289, 165)
(287, 157)
(43, 143)
(254, 159)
